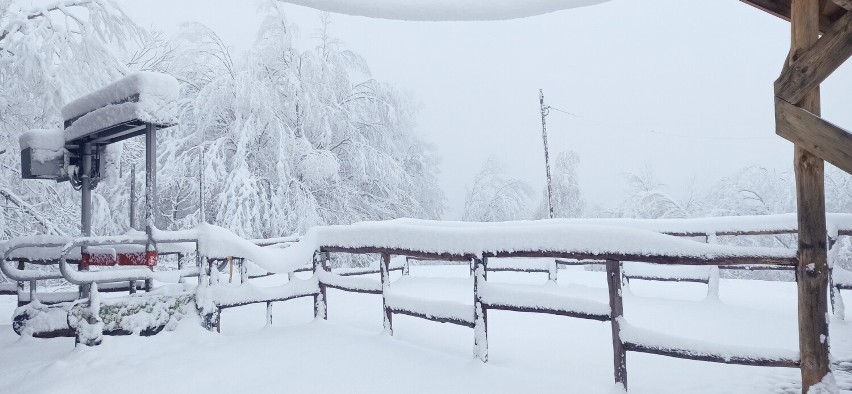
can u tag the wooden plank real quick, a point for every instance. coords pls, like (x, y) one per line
(619, 355)
(384, 264)
(810, 68)
(665, 279)
(267, 300)
(715, 358)
(558, 312)
(815, 135)
(399, 252)
(671, 260)
(451, 320)
(352, 289)
(812, 271)
(367, 271)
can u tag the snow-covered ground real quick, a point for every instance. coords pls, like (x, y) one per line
(350, 353)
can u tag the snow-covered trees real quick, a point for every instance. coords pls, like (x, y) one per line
(646, 198)
(568, 199)
(275, 140)
(49, 55)
(494, 197)
(294, 138)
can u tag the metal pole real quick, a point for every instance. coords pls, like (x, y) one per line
(86, 204)
(133, 197)
(150, 196)
(545, 110)
(201, 187)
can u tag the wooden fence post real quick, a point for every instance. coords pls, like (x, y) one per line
(244, 277)
(204, 268)
(384, 267)
(552, 271)
(269, 313)
(613, 279)
(480, 311)
(320, 300)
(181, 279)
(218, 320)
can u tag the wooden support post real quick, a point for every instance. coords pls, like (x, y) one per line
(181, 256)
(619, 355)
(320, 306)
(384, 267)
(204, 282)
(812, 271)
(552, 271)
(132, 289)
(269, 313)
(480, 311)
(244, 277)
(218, 319)
(406, 268)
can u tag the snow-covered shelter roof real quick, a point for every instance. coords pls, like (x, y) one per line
(830, 10)
(444, 10)
(120, 109)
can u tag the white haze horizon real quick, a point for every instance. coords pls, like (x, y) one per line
(689, 97)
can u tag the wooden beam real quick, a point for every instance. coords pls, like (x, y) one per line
(812, 271)
(811, 67)
(782, 9)
(815, 135)
(715, 358)
(846, 4)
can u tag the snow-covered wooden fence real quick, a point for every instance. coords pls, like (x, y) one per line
(518, 298)
(485, 246)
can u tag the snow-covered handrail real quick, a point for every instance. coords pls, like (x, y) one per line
(117, 275)
(552, 239)
(16, 274)
(837, 224)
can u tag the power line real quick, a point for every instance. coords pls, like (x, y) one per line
(660, 133)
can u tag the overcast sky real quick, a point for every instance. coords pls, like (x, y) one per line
(682, 86)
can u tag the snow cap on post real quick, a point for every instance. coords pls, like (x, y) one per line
(444, 10)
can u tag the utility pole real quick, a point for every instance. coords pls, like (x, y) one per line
(545, 110)
(201, 187)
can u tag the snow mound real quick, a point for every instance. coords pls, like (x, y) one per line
(42, 139)
(444, 10)
(148, 85)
